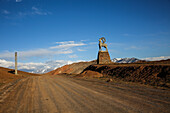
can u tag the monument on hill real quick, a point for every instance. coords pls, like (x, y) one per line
(103, 56)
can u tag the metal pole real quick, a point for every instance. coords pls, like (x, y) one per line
(16, 63)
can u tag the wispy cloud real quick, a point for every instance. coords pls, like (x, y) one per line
(157, 34)
(6, 12)
(38, 11)
(18, 0)
(61, 48)
(83, 40)
(81, 49)
(149, 34)
(34, 53)
(73, 56)
(133, 47)
(156, 58)
(34, 11)
(67, 45)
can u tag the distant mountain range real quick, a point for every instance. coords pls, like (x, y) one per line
(125, 60)
(35, 67)
(52, 65)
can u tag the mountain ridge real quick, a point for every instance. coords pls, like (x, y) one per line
(125, 60)
(52, 65)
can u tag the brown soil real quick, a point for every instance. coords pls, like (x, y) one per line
(7, 75)
(157, 75)
(60, 94)
(89, 73)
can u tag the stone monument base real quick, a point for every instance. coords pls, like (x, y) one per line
(103, 57)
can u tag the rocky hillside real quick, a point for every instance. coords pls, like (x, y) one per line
(75, 68)
(153, 73)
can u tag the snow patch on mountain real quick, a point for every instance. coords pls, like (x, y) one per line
(125, 60)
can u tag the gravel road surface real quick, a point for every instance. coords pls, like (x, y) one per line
(61, 94)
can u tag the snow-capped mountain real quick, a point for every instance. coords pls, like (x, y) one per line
(35, 67)
(125, 60)
(52, 65)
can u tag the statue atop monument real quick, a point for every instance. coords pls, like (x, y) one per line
(103, 56)
(102, 44)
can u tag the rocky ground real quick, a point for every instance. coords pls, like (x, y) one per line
(155, 75)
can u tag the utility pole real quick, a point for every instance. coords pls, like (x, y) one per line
(16, 63)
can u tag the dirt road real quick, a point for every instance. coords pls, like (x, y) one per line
(58, 94)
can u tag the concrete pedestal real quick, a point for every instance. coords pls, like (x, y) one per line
(103, 57)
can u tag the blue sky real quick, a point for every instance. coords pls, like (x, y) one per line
(45, 30)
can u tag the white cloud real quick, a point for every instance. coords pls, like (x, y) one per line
(34, 53)
(67, 45)
(72, 56)
(156, 58)
(4, 63)
(18, 0)
(7, 54)
(61, 48)
(65, 42)
(37, 11)
(133, 47)
(41, 53)
(5, 12)
(34, 8)
(34, 11)
(83, 40)
(81, 49)
(35, 67)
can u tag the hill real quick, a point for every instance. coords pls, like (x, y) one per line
(145, 72)
(7, 75)
(75, 68)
